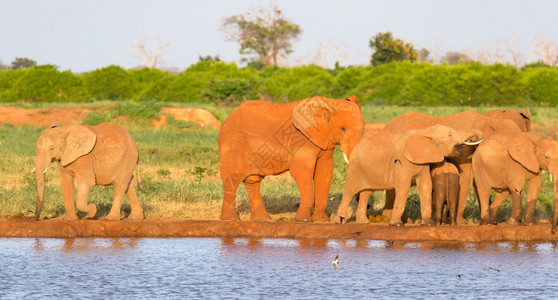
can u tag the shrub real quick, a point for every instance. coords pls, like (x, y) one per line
(541, 85)
(149, 84)
(46, 84)
(112, 83)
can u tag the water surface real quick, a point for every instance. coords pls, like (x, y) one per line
(231, 268)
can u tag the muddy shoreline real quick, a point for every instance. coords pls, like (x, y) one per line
(57, 228)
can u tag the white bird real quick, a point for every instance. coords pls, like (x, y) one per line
(335, 261)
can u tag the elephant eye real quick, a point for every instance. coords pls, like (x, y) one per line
(343, 129)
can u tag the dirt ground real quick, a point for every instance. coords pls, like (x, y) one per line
(74, 115)
(209, 228)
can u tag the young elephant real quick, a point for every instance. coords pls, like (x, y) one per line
(504, 163)
(445, 191)
(91, 155)
(383, 160)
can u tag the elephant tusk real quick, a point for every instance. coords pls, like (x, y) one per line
(345, 158)
(33, 171)
(472, 143)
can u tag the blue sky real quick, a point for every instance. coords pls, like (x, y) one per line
(85, 35)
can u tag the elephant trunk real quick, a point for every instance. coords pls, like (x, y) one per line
(40, 170)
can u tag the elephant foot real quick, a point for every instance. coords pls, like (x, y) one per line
(486, 222)
(386, 213)
(136, 216)
(109, 217)
(70, 217)
(91, 210)
(512, 221)
(398, 224)
(320, 217)
(229, 216)
(461, 221)
(362, 220)
(427, 222)
(260, 217)
(302, 217)
(528, 222)
(340, 220)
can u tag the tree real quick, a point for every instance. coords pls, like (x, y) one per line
(262, 32)
(150, 57)
(453, 58)
(387, 49)
(209, 58)
(23, 63)
(546, 50)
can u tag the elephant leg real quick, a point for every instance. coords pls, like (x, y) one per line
(257, 208)
(67, 184)
(388, 207)
(532, 196)
(401, 193)
(424, 184)
(303, 175)
(499, 198)
(228, 208)
(444, 213)
(362, 207)
(438, 198)
(464, 181)
(83, 188)
(322, 183)
(515, 209)
(452, 197)
(135, 206)
(483, 193)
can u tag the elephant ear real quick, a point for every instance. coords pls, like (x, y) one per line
(523, 150)
(80, 140)
(354, 99)
(311, 116)
(526, 118)
(420, 149)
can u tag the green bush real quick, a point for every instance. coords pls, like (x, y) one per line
(541, 85)
(192, 85)
(397, 83)
(109, 83)
(45, 84)
(149, 84)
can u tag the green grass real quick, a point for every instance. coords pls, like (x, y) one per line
(180, 172)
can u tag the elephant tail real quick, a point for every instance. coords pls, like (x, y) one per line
(139, 183)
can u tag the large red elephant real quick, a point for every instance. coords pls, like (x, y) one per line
(260, 138)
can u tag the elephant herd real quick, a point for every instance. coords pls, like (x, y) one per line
(442, 156)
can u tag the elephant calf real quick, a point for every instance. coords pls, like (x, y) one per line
(383, 160)
(91, 155)
(504, 163)
(445, 191)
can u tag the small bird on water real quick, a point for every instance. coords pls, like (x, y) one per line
(335, 261)
(491, 268)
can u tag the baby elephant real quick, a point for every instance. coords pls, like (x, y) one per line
(91, 155)
(445, 191)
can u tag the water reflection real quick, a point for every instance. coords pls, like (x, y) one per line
(85, 244)
(205, 268)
